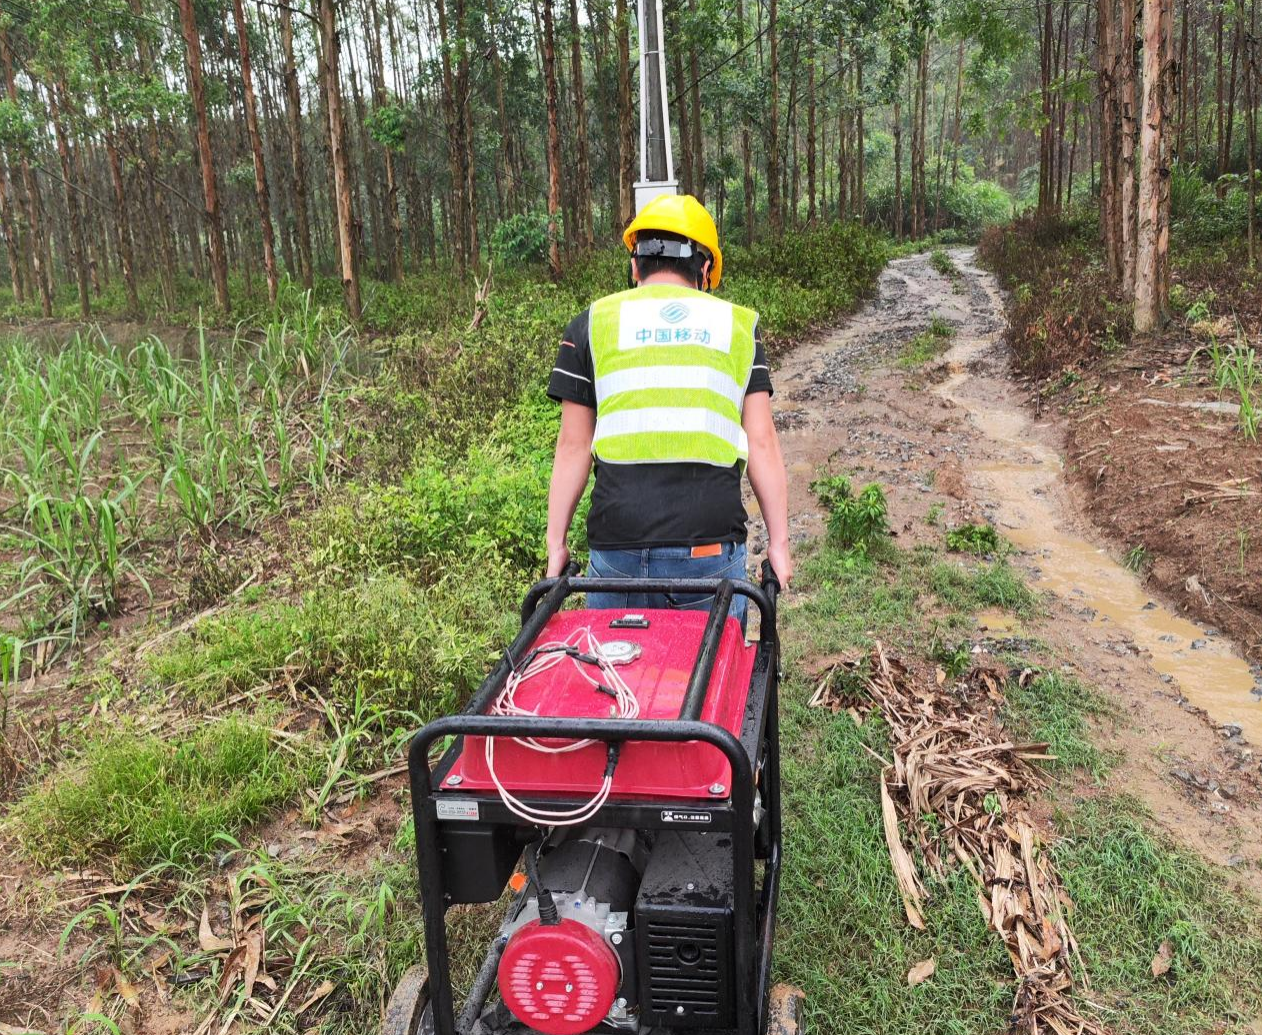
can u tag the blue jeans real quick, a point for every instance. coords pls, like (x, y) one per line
(667, 562)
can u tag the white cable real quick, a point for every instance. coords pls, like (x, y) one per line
(546, 657)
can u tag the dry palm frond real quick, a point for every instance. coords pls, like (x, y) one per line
(953, 763)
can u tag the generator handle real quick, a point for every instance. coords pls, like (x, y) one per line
(770, 583)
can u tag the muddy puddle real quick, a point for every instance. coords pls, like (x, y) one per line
(1023, 491)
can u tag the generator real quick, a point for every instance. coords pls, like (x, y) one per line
(617, 779)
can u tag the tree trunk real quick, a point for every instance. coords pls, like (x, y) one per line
(78, 257)
(122, 226)
(468, 157)
(1126, 171)
(582, 171)
(554, 136)
(256, 151)
(210, 186)
(38, 239)
(675, 52)
(959, 95)
(811, 210)
(773, 129)
(898, 170)
(1153, 226)
(293, 115)
(860, 196)
(341, 166)
(1110, 225)
(507, 176)
(1251, 82)
(698, 134)
(626, 117)
(9, 226)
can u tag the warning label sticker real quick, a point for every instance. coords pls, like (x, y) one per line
(677, 816)
(457, 809)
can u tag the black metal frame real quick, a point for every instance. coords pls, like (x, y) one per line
(754, 756)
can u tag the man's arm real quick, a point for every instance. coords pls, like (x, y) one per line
(570, 469)
(771, 484)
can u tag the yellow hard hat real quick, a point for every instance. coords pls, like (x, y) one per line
(684, 215)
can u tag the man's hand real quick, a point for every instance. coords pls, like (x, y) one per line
(781, 562)
(558, 558)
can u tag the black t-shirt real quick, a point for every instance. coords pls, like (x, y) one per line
(640, 505)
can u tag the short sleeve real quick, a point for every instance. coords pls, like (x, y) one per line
(760, 374)
(572, 376)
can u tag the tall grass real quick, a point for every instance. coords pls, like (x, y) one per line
(105, 450)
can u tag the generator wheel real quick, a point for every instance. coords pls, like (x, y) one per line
(784, 1011)
(406, 1010)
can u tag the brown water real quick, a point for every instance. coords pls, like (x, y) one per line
(1025, 484)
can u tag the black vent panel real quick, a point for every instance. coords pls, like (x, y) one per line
(686, 977)
(683, 928)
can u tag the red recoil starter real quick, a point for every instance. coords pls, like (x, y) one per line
(559, 978)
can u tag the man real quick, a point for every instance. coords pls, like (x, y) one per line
(668, 389)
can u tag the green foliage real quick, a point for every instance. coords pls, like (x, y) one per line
(943, 263)
(380, 638)
(978, 539)
(523, 237)
(1203, 212)
(804, 278)
(1065, 309)
(1056, 708)
(1137, 559)
(928, 345)
(387, 124)
(855, 522)
(139, 799)
(1131, 892)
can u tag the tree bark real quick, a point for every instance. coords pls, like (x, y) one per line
(626, 117)
(811, 203)
(1126, 170)
(341, 165)
(1152, 239)
(210, 186)
(256, 151)
(582, 172)
(698, 129)
(38, 238)
(898, 170)
(293, 116)
(554, 137)
(773, 129)
(78, 243)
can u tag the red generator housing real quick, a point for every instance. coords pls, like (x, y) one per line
(653, 910)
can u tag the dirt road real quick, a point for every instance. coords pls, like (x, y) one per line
(960, 434)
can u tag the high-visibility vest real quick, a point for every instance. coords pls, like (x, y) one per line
(672, 365)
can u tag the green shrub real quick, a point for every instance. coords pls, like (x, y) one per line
(380, 639)
(854, 522)
(970, 538)
(139, 799)
(523, 237)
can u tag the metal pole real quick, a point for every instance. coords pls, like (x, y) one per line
(657, 166)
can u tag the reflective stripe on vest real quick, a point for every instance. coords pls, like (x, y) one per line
(672, 366)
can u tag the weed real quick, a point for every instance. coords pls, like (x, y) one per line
(1132, 892)
(955, 660)
(1054, 708)
(1137, 559)
(934, 517)
(927, 345)
(943, 263)
(135, 798)
(855, 523)
(977, 539)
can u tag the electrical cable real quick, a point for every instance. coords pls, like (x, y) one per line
(584, 651)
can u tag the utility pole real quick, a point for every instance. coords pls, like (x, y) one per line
(657, 164)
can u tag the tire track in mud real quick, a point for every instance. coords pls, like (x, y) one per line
(1190, 720)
